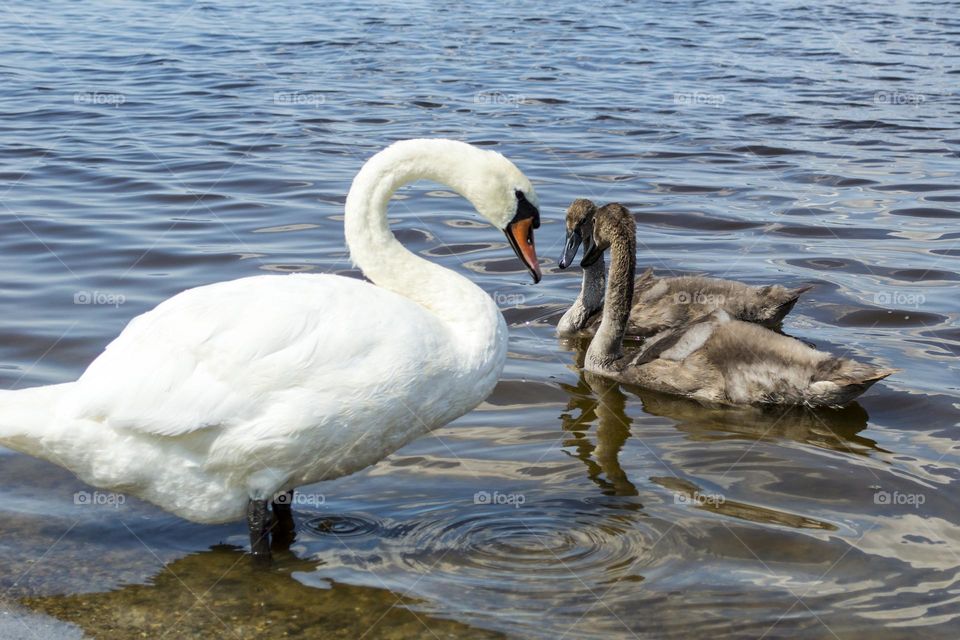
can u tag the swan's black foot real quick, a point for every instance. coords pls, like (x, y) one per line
(284, 528)
(268, 530)
(258, 521)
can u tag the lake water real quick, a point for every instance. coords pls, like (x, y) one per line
(151, 147)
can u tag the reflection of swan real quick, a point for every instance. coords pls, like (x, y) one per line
(828, 428)
(190, 598)
(228, 394)
(600, 398)
(602, 401)
(714, 358)
(662, 303)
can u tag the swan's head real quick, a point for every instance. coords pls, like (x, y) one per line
(504, 196)
(612, 224)
(496, 188)
(597, 229)
(580, 215)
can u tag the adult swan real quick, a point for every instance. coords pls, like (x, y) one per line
(228, 395)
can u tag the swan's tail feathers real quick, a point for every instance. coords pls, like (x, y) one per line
(794, 294)
(28, 416)
(843, 380)
(784, 302)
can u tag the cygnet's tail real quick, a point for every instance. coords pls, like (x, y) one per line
(841, 380)
(28, 417)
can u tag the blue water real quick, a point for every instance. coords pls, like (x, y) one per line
(146, 148)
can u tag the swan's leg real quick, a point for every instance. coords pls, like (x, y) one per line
(283, 526)
(258, 520)
(282, 509)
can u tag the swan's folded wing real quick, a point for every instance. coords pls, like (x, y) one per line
(221, 354)
(677, 343)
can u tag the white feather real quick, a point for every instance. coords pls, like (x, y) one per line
(243, 389)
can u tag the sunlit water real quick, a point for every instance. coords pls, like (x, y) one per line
(152, 147)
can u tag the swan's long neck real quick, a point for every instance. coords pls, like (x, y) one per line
(588, 302)
(607, 345)
(459, 303)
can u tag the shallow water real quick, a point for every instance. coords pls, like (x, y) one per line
(151, 148)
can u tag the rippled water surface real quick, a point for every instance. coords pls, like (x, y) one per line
(151, 147)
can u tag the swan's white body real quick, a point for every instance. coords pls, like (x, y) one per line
(243, 389)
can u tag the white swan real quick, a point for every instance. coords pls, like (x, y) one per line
(229, 394)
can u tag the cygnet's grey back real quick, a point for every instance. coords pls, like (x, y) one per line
(720, 359)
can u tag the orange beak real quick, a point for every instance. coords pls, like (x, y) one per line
(520, 235)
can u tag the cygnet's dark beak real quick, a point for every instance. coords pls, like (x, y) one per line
(570, 248)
